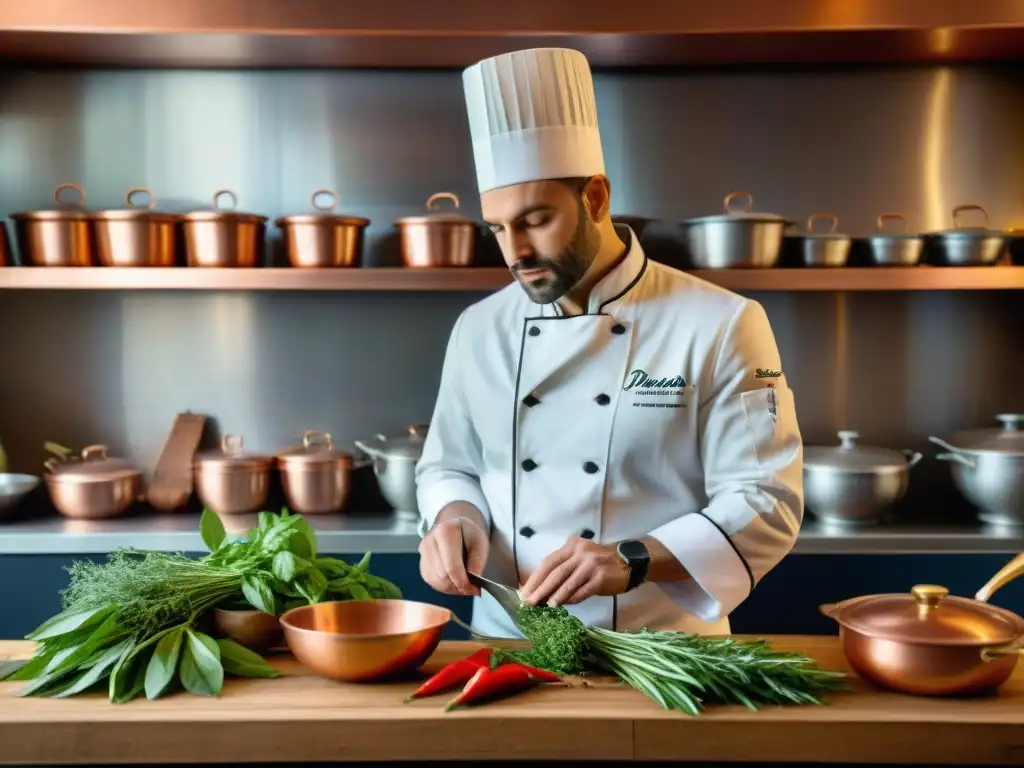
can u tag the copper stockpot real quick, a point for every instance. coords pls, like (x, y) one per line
(231, 481)
(223, 237)
(137, 236)
(316, 478)
(93, 487)
(927, 643)
(249, 627)
(323, 239)
(438, 239)
(360, 640)
(56, 238)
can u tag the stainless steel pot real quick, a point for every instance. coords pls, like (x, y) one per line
(438, 239)
(56, 238)
(323, 239)
(854, 485)
(736, 238)
(93, 486)
(895, 249)
(394, 464)
(316, 478)
(988, 469)
(223, 237)
(966, 246)
(231, 481)
(137, 236)
(825, 249)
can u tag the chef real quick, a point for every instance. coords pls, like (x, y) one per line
(610, 434)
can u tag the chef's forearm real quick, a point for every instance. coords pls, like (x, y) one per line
(664, 566)
(462, 509)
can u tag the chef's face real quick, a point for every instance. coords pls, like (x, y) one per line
(547, 233)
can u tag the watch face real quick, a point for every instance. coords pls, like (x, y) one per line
(633, 550)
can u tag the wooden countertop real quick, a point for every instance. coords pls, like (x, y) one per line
(301, 718)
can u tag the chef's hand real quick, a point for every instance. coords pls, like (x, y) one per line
(441, 555)
(580, 569)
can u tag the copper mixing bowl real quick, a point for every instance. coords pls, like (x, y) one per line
(359, 640)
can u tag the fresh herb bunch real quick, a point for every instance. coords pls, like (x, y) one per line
(679, 670)
(129, 624)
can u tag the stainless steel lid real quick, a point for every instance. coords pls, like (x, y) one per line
(442, 217)
(69, 210)
(407, 446)
(324, 213)
(224, 214)
(739, 215)
(136, 212)
(850, 457)
(317, 449)
(1009, 439)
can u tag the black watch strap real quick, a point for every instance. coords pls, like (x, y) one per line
(638, 558)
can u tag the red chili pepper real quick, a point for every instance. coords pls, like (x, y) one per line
(491, 683)
(453, 675)
(499, 658)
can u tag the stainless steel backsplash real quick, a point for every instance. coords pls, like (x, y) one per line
(114, 367)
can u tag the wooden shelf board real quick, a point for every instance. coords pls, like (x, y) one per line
(400, 33)
(485, 279)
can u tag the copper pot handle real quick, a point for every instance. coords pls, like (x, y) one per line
(231, 444)
(971, 207)
(94, 453)
(67, 185)
(316, 437)
(830, 217)
(1010, 649)
(442, 196)
(831, 610)
(727, 203)
(324, 193)
(1004, 576)
(883, 217)
(222, 193)
(149, 205)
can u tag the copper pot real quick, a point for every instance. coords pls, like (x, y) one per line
(249, 627)
(438, 239)
(93, 487)
(316, 478)
(223, 237)
(56, 238)
(323, 239)
(927, 643)
(137, 236)
(231, 481)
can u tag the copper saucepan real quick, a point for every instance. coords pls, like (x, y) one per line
(136, 236)
(928, 643)
(324, 238)
(224, 237)
(58, 237)
(438, 238)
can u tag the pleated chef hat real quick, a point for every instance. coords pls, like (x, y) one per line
(532, 117)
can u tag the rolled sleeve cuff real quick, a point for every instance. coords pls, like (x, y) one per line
(434, 497)
(719, 577)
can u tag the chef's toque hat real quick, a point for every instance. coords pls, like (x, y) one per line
(532, 117)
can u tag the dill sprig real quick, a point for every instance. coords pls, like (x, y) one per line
(678, 670)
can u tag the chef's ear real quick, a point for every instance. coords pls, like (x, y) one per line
(597, 198)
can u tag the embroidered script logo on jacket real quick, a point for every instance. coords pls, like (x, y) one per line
(640, 383)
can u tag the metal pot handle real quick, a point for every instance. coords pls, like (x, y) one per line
(94, 453)
(418, 430)
(224, 193)
(230, 444)
(970, 207)
(954, 453)
(1011, 421)
(831, 610)
(913, 457)
(134, 191)
(324, 193)
(831, 217)
(442, 196)
(1010, 649)
(882, 217)
(727, 203)
(316, 437)
(1004, 576)
(80, 203)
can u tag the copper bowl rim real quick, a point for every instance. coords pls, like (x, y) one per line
(286, 624)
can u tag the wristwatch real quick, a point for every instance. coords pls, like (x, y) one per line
(637, 558)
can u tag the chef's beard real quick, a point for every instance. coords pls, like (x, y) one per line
(566, 269)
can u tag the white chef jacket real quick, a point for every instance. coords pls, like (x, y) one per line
(662, 411)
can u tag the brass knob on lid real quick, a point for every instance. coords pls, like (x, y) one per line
(928, 595)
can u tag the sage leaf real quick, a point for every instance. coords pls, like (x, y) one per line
(259, 594)
(201, 671)
(240, 661)
(94, 673)
(163, 663)
(70, 621)
(211, 529)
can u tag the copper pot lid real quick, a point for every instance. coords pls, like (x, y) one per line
(959, 231)
(407, 446)
(232, 455)
(93, 466)
(1008, 439)
(219, 213)
(317, 449)
(850, 457)
(324, 212)
(830, 234)
(732, 214)
(69, 210)
(135, 211)
(883, 236)
(927, 615)
(441, 217)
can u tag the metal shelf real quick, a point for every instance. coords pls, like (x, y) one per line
(923, 278)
